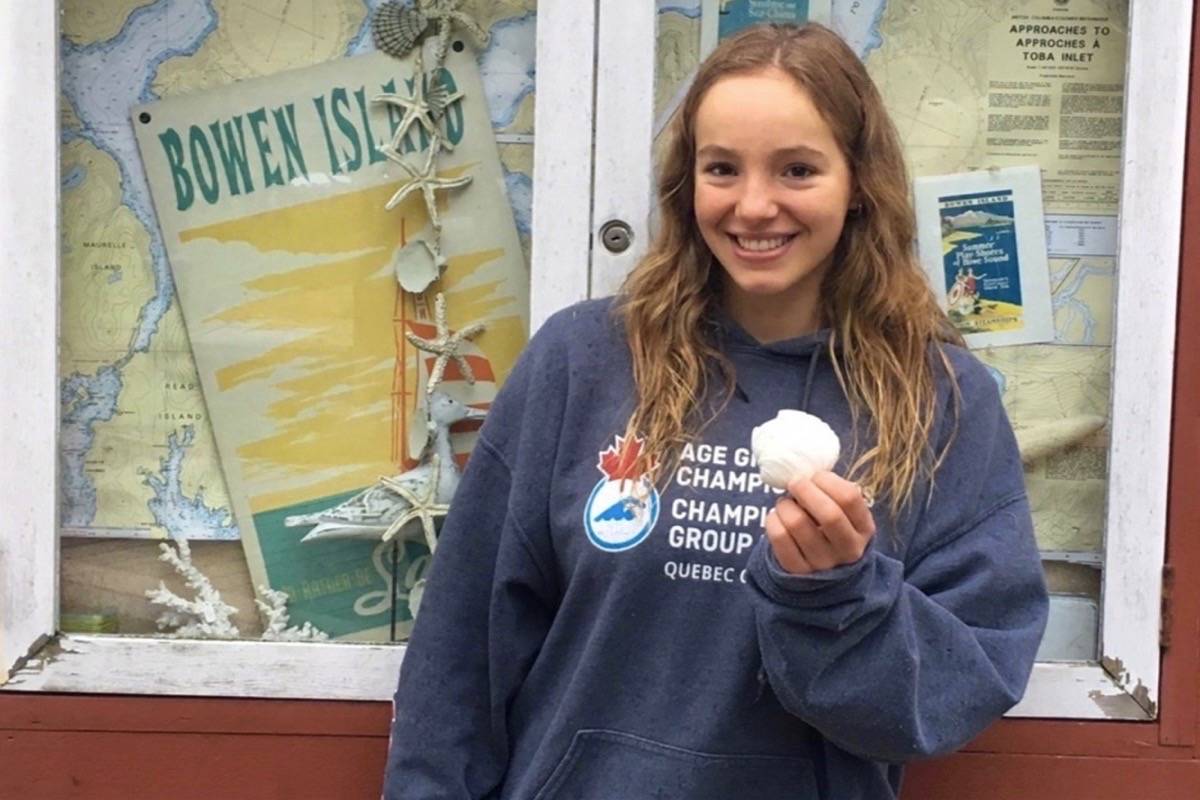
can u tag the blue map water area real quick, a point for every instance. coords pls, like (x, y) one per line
(1070, 312)
(362, 42)
(181, 516)
(507, 80)
(844, 21)
(73, 177)
(520, 197)
(85, 400)
(102, 81)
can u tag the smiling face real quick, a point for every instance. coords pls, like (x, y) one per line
(772, 190)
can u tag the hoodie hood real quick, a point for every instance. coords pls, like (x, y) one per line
(804, 351)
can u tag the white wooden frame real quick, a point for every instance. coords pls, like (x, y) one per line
(623, 185)
(571, 42)
(29, 327)
(1156, 110)
(562, 160)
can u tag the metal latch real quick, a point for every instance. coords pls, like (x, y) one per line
(616, 236)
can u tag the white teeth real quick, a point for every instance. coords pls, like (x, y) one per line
(762, 244)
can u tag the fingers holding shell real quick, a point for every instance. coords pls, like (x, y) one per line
(851, 498)
(838, 513)
(806, 533)
(784, 546)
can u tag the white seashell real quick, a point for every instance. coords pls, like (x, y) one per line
(417, 265)
(438, 97)
(793, 445)
(397, 28)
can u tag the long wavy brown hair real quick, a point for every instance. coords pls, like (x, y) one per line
(883, 318)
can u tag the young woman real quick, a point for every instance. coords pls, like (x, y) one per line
(619, 608)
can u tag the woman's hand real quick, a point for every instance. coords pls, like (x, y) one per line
(821, 523)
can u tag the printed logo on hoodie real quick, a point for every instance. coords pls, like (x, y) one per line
(622, 509)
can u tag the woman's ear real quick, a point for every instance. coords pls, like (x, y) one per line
(855, 208)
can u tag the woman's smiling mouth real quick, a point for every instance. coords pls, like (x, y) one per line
(761, 246)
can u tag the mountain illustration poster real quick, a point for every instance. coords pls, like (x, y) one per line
(983, 243)
(271, 195)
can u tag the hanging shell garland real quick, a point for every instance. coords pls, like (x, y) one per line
(397, 28)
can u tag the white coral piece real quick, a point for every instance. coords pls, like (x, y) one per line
(277, 630)
(793, 445)
(206, 616)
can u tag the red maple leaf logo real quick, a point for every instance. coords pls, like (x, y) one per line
(619, 461)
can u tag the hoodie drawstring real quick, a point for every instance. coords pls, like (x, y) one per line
(808, 378)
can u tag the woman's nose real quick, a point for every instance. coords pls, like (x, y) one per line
(756, 201)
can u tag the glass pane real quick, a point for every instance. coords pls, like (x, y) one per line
(254, 393)
(972, 86)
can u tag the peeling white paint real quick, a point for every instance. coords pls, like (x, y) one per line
(1079, 691)
(208, 668)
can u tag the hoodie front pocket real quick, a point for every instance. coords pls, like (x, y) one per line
(609, 765)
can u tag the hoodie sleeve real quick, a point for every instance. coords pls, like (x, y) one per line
(894, 660)
(490, 599)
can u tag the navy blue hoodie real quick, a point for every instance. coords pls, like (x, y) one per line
(586, 636)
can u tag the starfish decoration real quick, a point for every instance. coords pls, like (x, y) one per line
(447, 345)
(422, 506)
(426, 180)
(422, 108)
(446, 14)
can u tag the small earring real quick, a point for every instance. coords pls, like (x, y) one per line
(856, 209)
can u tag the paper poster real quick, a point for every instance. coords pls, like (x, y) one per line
(1056, 96)
(983, 242)
(723, 18)
(271, 196)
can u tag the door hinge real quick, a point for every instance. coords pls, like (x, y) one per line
(1164, 624)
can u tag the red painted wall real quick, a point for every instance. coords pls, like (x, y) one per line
(75, 747)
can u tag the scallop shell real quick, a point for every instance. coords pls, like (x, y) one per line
(396, 28)
(437, 96)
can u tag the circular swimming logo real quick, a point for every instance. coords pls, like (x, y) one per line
(623, 507)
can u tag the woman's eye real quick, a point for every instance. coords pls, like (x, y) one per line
(798, 171)
(720, 169)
